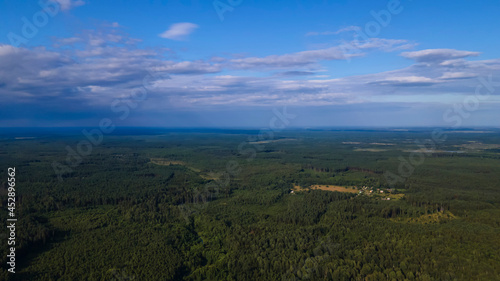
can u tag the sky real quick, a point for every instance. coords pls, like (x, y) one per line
(242, 63)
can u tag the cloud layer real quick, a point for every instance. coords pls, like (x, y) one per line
(89, 71)
(179, 31)
(69, 4)
(438, 55)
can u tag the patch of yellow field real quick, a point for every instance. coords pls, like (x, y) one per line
(394, 196)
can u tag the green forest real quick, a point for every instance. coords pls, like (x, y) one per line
(240, 205)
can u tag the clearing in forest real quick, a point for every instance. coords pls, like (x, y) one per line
(436, 217)
(328, 188)
(167, 162)
(370, 149)
(270, 141)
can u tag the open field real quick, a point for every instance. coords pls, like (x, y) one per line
(370, 149)
(167, 162)
(270, 141)
(328, 188)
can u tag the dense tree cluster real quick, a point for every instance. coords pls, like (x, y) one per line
(120, 216)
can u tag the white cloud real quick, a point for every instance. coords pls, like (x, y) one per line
(438, 55)
(179, 31)
(457, 75)
(68, 41)
(292, 60)
(104, 67)
(407, 81)
(345, 29)
(6, 50)
(343, 52)
(69, 4)
(187, 67)
(386, 45)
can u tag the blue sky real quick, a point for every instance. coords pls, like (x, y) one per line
(229, 63)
